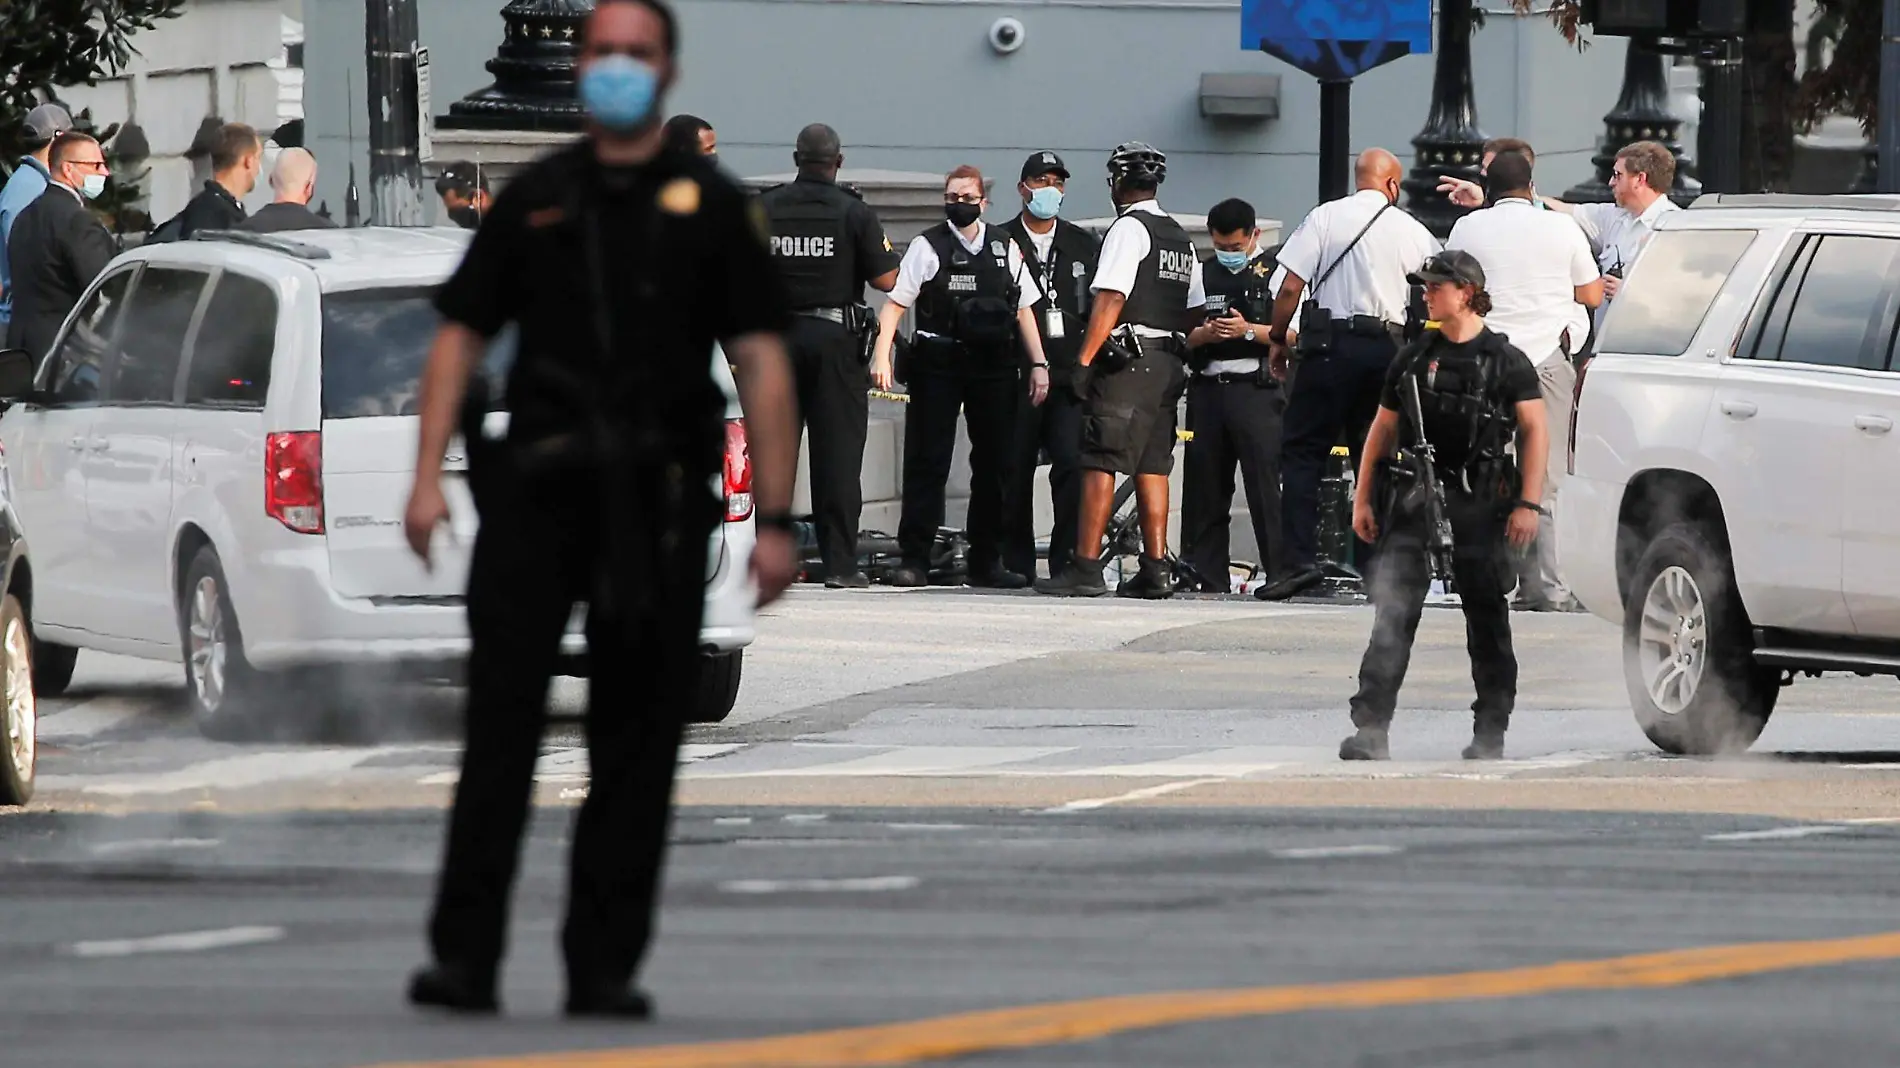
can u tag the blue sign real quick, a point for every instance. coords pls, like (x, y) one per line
(1334, 39)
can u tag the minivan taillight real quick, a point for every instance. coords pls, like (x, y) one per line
(738, 473)
(1576, 402)
(293, 480)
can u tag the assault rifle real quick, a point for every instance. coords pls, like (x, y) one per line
(1438, 537)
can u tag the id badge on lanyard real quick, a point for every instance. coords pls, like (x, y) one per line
(1053, 327)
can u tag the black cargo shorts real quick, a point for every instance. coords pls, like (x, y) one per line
(1128, 422)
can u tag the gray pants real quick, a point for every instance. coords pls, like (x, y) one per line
(1538, 577)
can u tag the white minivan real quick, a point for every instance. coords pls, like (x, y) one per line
(213, 467)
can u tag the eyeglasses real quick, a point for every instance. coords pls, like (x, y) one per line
(99, 163)
(964, 198)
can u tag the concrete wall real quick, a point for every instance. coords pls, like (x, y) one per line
(913, 85)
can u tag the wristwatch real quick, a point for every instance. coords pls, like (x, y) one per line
(1538, 508)
(775, 521)
(1248, 335)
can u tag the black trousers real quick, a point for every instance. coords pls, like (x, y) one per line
(1401, 577)
(1334, 397)
(988, 404)
(832, 380)
(1056, 425)
(645, 669)
(1233, 422)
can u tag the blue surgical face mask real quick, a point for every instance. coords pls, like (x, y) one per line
(1233, 261)
(93, 185)
(619, 92)
(1045, 202)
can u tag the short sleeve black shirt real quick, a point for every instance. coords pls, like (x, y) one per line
(1514, 381)
(621, 280)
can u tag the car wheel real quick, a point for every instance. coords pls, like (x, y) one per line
(53, 667)
(718, 686)
(1687, 649)
(218, 680)
(21, 711)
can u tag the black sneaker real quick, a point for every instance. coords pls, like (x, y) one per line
(997, 577)
(613, 1001)
(908, 575)
(1292, 585)
(1485, 747)
(445, 986)
(1368, 744)
(1153, 582)
(1082, 578)
(855, 580)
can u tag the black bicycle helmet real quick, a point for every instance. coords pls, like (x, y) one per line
(1135, 161)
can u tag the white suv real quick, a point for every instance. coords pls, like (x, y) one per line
(1732, 500)
(213, 465)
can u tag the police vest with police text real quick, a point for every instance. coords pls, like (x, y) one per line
(1160, 296)
(811, 243)
(1244, 291)
(972, 299)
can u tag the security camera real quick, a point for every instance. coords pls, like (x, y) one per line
(1007, 35)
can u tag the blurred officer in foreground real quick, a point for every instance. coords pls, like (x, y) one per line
(1234, 406)
(1543, 283)
(1475, 394)
(621, 265)
(1147, 296)
(1345, 276)
(828, 245)
(973, 296)
(1061, 256)
(464, 192)
(690, 133)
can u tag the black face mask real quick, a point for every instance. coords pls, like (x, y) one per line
(466, 217)
(712, 158)
(962, 215)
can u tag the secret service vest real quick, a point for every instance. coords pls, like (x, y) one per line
(1245, 291)
(1065, 280)
(811, 243)
(1159, 300)
(972, 299)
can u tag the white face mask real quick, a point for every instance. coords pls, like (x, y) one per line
(93, 185)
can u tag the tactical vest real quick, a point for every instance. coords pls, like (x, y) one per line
(1463, 410)
(1065, 280)
(1244, 291)
(972, 299)
(1159, 300)
(811, 243)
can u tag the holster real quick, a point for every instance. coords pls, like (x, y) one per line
(1117, 354)
(860, 320)
(1316, 329)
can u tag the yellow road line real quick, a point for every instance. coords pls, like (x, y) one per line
(1030, 1026)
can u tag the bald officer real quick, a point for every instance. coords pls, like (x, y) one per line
(828, 245)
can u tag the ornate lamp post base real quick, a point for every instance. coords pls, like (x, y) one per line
(534, 72)
(1451, 144)
(1641, 114)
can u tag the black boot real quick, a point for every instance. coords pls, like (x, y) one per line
(1292, 585)
(1153, 582)
(447, 986)
(995, 577)
(1368, 744)
(619, 1001)
(1082, 578)
(909, 574)
(1486, 745)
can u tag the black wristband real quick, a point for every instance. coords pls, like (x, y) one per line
(775, 521)
(1538, 508)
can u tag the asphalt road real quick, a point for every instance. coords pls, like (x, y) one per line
(934, 804)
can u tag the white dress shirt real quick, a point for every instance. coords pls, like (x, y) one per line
(1533, 261)
(1124, 248)
(1371, 278)
(920, 265)
(1616, 235)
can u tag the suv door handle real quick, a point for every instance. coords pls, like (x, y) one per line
(100, 444)
(1873, 424)
(1739, 409)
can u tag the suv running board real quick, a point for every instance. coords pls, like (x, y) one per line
(1817, 660)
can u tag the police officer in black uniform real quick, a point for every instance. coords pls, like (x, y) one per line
(1062, 256)
(829, 244)
(973, 294)
(1478, 394)
(1148, 294)
(621, 265)
(1234, 405)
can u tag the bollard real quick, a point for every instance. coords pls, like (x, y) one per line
(1337, 545)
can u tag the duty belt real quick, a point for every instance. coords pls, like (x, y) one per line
(1367, 326)
(1229, 378)
(830, 315)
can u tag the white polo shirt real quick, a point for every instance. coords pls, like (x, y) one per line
(1124, 248)
(1616, 235)
(920, 265)
(1370, 280)
(1533, 261)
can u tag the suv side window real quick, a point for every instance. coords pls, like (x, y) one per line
(230, 362)
(1670, 290)
(152, 340)
(1833, 306)
(77, 370)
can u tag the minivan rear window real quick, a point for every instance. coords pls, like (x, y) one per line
(1670, 290)
(375, 342)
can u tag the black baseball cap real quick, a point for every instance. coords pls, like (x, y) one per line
(1453, 265)
(1042, 163)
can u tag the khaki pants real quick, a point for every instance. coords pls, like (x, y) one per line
(1538, 577)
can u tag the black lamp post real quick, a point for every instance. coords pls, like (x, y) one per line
(534, 71)
(1451, 144)
(1641, 114)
